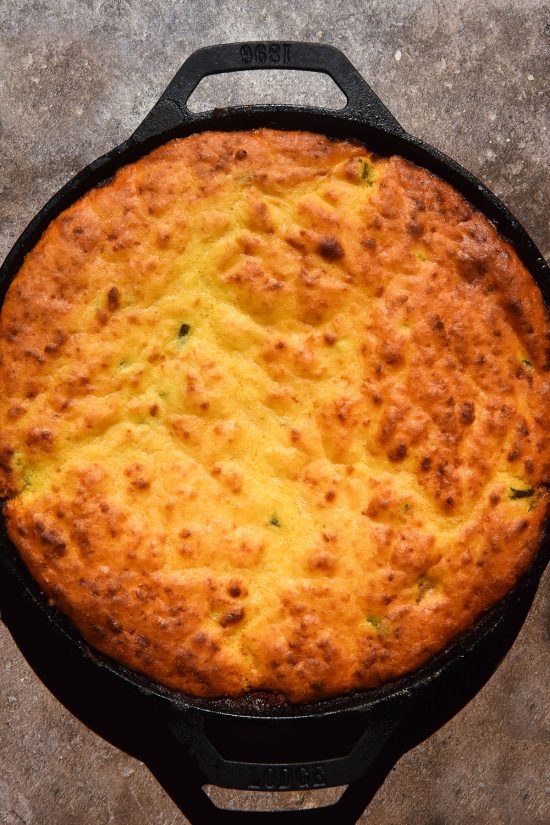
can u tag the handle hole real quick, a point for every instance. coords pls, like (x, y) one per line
(288, 87)
(236, 740)
(233, 800)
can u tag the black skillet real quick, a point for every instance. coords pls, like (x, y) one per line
(331, 742)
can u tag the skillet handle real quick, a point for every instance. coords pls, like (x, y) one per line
(171, 108)
(374, 729)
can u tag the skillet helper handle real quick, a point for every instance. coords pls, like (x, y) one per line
(374, 730)
(171, 108)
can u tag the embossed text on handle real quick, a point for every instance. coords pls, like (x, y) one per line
(281, 778)
(261, 54)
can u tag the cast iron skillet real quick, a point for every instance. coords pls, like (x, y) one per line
(331, 742)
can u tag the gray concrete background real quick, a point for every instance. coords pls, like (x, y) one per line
(76, 77)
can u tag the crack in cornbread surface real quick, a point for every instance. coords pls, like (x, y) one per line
(273, 415)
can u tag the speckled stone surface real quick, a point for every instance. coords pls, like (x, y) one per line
(474, 80)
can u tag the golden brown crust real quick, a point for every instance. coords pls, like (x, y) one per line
(273, 415)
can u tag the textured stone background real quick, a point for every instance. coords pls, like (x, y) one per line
(472, 78)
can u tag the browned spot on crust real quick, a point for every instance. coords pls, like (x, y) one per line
(16, 411)
(414, 228)
(330, 248)
(321, 560)
(59, 340)
(391, 353)
(467, 413)
(232, 617)
(51, 538)
(6, 454)
(398, 453)
(114, 625)
(113, 298)
(39, 437)
(32, 353)
(140, 484)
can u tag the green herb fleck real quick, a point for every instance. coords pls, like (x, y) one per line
(527, 493)
(375, 621)
(274, 520)
(184, 331)
(421, 256)
(527, 362)
(406, 507)
(366, 172)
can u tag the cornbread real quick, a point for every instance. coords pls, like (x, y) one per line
(273, 415)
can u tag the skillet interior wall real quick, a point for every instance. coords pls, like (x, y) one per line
(88, 81)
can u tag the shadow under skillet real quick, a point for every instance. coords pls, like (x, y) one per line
(119, 713)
